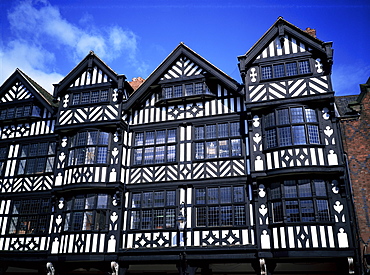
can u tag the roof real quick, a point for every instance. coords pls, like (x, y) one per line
(342, 103)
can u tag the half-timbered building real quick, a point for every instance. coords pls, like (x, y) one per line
(190, 173)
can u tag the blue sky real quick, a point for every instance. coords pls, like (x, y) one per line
(46, 39)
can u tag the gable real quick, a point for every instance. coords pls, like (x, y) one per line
(183, 67)
(16, 92)
(91, 76)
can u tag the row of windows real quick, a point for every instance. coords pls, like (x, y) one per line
(89, 148)
(20, 112)
(90, 97)
(291, 126)
(189, 89)
(285, 69)
(299, 201)
(36, 158)
(292, 201)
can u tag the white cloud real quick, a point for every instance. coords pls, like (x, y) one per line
(40, 36)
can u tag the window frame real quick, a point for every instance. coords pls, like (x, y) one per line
(85, 97)
(39, 216)
(151, 214)
(287, 132)
(30, 160)
(86, 151)
(155, 147)
(76, 215)
(231, 142)
(181, 90)
(217, 212)
(273, 74)
(289, 201)
(28, 110)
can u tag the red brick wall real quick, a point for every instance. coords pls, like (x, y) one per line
(356, 138)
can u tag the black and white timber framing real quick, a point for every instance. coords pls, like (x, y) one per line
(97, 179)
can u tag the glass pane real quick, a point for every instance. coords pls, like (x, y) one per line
(236, 149)
(211, 150)
(88, 221)
(147, 199)
(279, 70)
(308, 212)
(291, 69)
(199, 132)
(200, 196)
(266, 72)
(283, 116)
(239, 215)
(24, 151)
(178, 91)
(102, 155)
(158, 199)
(310, 115)
(100, 220)
(270, 120)
(290, 189)
(223, 148)
(103, 138)
(102, 201)
(161, 137)
(304, 188)
(277, 212)
(170, 218)
(299, 135)
(85, 97)
(81, 139)
(77, 220)
(213, 216)
(167, 92)
(158, 218)
(171, 135)
(211, 131)
(146, 219)
(320, 188)
(239, 194)
(271, 138)
(149, 139)
(189, 89)
(135, 220)
(79, 203)
(226, 215)
(90, 155)
(30, 166)
(275, 191)
(199, 150)
(40, 165)
(304, 67)
(234, 129)
(90, 201)
(297, 115)
(212, 195)
(95, 97)
(285, 137)
(139, 139)
(104, 95)
(171, 153)
(323, 210)
(149, 155)
(292, 211)
(33, 150)
(201, 216)
(136, 200)
(159, 154)
(76, 99)
(313, 134)
(198, 88)
(225, 194)
(223, 130)
(171, 198)
(138, 156)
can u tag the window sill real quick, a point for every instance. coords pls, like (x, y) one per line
(293, 147)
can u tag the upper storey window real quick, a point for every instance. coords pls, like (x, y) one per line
(90, 97)
(86, 212)
(29, 216)
(182, 90)
(155, 147)
(20, 112)
(301, 200)
(36, 158)
(89, 147)
(285, 69)
(217, 141)
(291, 126)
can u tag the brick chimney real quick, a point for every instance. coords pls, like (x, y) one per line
(311, 32)
(136, 82)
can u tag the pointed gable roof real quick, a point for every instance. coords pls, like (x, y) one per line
(278, 30)
(90, 67)
(173, 67)
(30, 89)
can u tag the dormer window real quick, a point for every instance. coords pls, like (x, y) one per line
(90, 97)
(285, 69)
